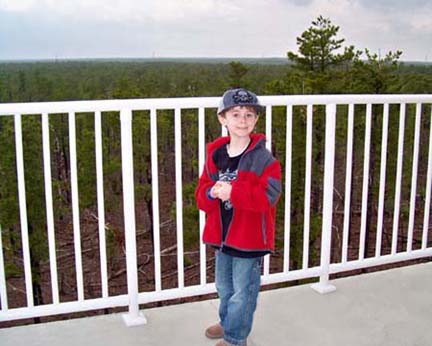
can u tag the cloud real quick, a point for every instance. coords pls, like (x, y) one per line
(126, 10)
(301, 2)
(17, 6)
(235, 28)
(392, 5)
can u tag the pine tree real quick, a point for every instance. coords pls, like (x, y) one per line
(318, 46)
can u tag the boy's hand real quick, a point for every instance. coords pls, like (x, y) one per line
(214, 192)
(221, 190)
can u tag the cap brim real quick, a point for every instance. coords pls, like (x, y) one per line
(259, 109)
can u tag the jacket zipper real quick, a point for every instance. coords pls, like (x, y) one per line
(264, 229)
(232, 218)
(228, 229)
(233, 209)
(221, 227)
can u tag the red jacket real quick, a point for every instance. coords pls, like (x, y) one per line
(254, 195)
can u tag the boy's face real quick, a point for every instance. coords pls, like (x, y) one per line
(240, 121)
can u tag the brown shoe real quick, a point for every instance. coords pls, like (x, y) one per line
(214, 332)
(222, 343)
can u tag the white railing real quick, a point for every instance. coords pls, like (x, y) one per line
(134, 297)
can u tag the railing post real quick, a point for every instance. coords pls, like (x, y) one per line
(134, 317)
(323, 286)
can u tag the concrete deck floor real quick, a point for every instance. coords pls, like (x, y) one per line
(392, 307)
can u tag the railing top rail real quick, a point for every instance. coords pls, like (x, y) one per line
(197, 102)
(345, 99)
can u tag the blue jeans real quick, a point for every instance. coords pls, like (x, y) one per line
(237, 284)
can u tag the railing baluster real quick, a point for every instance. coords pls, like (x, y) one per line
(308, 178)
(383, 169)
(23, 210)
(268, 125)
(134, 317)
(288, 167)
(179, 196)
(75, 206)
(101, 203)
(201, 159)
(49, 207)
(3, 290)
(398, 178)
(348, 180)
(365, 181)
(224, 131)
(414, 177)
(428, 191)
(323, 286)
(155, 197)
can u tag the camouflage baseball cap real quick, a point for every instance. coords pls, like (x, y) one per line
(239, 97)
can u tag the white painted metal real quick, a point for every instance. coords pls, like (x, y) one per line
(179, 196)
(49, 208)
(3, 290)
(134, 317)
(377, 261)
(147, 297)
(268, 127)
(323, 286)
(101, 203)
(64, 308)
(366, 161)
(155, 198)
(398, 178)
(307, 195)
(201, 158)
(107, 105)
(23, 210)
(301, 100)
(268, 130)
(75, 207)
(383, 168)
(224, 131)
(348, 179)
(197, 102)
(288, 163)
(133, 298)
(414, 178)
(428, 191)
(173, 293)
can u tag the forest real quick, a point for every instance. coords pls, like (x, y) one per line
(323, 64)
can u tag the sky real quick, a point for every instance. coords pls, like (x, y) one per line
(68, 29)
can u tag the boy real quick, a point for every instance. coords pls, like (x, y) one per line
(238, 189)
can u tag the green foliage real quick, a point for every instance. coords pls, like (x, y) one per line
(318, 46)
(8, 181)
(190, 217)
(34, 183)
(322, 65)
(238, 70)
(12, 270)
(93, 80)
(34, 194)
(377, 75)
(110, 242)
(86, 159)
